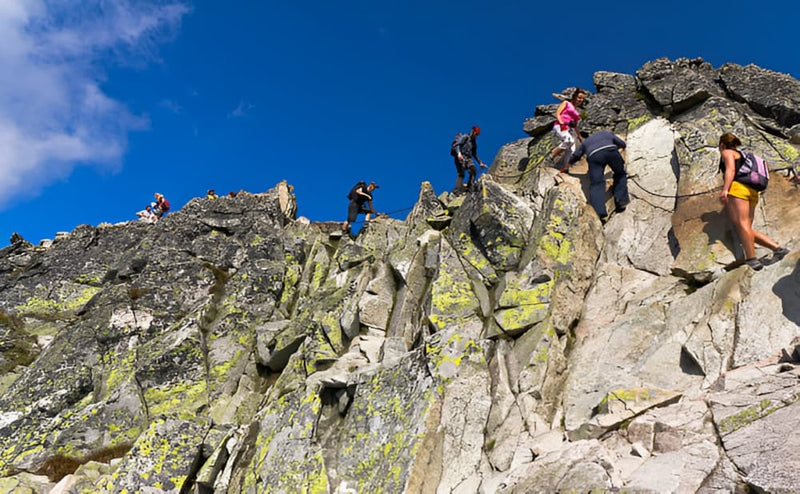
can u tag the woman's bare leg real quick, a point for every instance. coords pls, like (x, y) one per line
(760, 238)
(739, 212)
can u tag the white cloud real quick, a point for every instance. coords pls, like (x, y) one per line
(53, 113)
(171, 106)
(241, 110)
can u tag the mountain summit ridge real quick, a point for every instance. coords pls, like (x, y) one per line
(503, 340)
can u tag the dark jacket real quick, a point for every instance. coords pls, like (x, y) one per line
(467, 145)
(359, 197)
(595, 142)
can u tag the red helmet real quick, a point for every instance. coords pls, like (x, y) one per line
(476, 130)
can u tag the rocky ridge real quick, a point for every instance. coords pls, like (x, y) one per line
(499, 341)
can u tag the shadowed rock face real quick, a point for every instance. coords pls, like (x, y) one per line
(499, 341)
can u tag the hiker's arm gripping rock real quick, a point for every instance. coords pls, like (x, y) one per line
(475, 153)
(577, 155)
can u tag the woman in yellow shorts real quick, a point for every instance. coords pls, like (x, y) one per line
(740, 202)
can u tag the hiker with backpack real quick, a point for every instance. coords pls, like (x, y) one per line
(566, 127)
(464, 150)
(360, 202)
(601, 149)
(739, 195)
(162, 205)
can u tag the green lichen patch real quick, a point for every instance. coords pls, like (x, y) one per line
(108, 426)
(57, 303)
(748, 416)
(120, 369)
(635, 123)
(633, 400)
(515, 295)
(446, 358)
(554, 242)
(500, 228)
(182, 400)
(319, 350)
(285, 459)
(88, 279)
(452, 300)
(517, 319)
(385, 427)
(291, 278)
(172, 371)
(162, 458)
(293, 375)
(469, 252)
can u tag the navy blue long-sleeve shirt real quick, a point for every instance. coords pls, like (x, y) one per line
(595, 142)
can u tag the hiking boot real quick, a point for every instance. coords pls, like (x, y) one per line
(621, 206)
(779, 253)
(754, 263)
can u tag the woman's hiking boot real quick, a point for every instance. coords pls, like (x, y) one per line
(755, 264)
(779, 254)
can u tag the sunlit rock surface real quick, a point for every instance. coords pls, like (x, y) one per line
(503, 340)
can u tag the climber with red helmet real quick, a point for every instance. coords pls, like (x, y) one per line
(464, 150)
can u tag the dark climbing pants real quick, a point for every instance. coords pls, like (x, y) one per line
(597, 182)
(354, 209)
(467, 165)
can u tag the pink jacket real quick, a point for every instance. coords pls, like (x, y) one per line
(570, 113)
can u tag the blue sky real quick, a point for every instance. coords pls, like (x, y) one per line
(104, 102)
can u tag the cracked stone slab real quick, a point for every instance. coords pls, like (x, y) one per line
(758, 416)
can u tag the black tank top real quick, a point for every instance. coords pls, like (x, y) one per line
(737, 162)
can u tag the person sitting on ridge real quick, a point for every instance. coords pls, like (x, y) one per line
(465, 152)
(147, 215)
(566, 126)
(211, 194)
(360, 202)
(601, 149)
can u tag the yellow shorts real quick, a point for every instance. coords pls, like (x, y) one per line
(742, 191)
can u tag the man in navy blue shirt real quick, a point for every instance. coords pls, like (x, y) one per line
(601, 149)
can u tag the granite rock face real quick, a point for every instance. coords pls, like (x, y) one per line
(503, 340)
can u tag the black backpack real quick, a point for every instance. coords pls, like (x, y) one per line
(352, 195)
(454, 144)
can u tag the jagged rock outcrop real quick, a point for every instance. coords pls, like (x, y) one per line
(504, 340)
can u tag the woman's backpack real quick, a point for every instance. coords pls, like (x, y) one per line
(753, 171)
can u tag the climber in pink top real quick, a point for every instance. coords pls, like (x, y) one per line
(566, 126)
